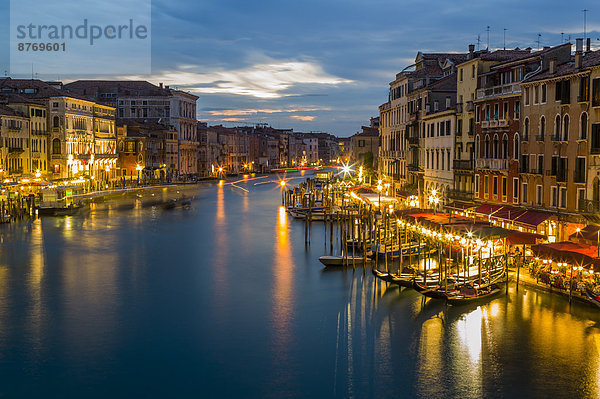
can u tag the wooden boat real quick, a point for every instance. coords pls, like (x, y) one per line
(434, 291)
(385, 276)
(177, 203)
(595, 299)
(394, 252)
(403, 279)
(468, 295)
(59, 210)
(329, 260)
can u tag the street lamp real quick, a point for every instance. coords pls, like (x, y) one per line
(379, 188)
(138, 167)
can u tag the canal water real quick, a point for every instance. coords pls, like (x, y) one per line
(224, 300)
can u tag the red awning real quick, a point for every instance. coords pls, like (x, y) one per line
(569, 252)
(532, 218)
(522, 238)
(486, 209)
(455, 206)
(588, 233)
(508, 213)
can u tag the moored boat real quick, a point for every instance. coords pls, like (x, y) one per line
(595, 299)
(469, 294)
(331, 260)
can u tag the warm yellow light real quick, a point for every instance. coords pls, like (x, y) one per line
(38, 173)
(107, 168)
(138, 167)
(379, 187)
(282, 183)
(220, 169)
(434, 192)
(578, 229)
(25, 181)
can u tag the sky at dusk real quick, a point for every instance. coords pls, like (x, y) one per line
(326, 65)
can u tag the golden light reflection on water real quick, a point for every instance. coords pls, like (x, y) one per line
(283, 295)
(468, 330)
(34, 280)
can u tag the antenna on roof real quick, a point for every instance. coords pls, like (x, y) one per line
(488, 37)
(505, 38)
(584, 23)
(538, 40)
(478, 41)
(562, 40)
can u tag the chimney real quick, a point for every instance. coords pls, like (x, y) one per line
(552, 66)
(160, 85)
(578, 53)
(471, 50)
(588, 45)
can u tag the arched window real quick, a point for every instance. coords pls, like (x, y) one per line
(505, 146)
(487, 147)
(56, 146)
(566, 128)
(526, 130)
(477, 146)
(557, 128)
(516, 147)
(583, 128)
(542, 127)
(495, 148)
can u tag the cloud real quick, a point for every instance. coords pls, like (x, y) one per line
(268, 80)
(234, 112)
(306, 118)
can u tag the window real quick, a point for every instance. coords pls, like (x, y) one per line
(495, 187)
(557, 128)
(515, 190)
(553, 196)
(56, 146)
(580, 198)
(504, 188)
(563, 197)
(566, 128)
(584, 89)
(524, 193)
(583, 127)
(459, 128)
(536, 94)
(54, 105)
(563, 92)
(542, 127)
(496, 111)
(526, 129)
(477, 114)
(526, 96)
(436, 105)
(517, 109)
(538, 195)
(595, 136)
(447, 128)
(477, 146)
(540, 164)
(448, 102)
(472, 71)
(579, 170)
(486, 186)
(486, 150)
(505, 146)
(543, 89)
(505, 111)
(460, 71)
(476, 185)
(56, 122)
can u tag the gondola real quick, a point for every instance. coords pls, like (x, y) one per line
(470, 295)
(435, 292)
(595, 299)
(328, 260)
(403, 279)
(177, 203)
(385, 276)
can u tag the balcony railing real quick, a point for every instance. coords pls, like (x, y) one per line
(532, 171)
(495, 164)
(460, 195)
(588, 206)
(494, 123)
(462, 164)
(512, 88)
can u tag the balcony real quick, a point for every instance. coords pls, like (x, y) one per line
(494, 123)
(460, 195)
(588, 206)
(15, 149)
(512, 88)
(469, 107)
(493, 164)
(462, 164)
(532, 171)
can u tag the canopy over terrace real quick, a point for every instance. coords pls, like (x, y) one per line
(569, 252)
(373, 198)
